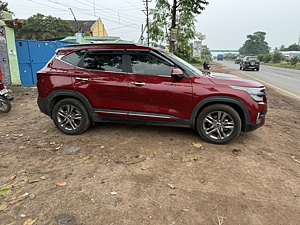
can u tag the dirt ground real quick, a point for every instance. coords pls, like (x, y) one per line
(136, 174)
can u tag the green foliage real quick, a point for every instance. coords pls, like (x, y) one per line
(41, 27)
(277, 57)
(255, 44)
(267, 58)
(87, 33)
(260, 57)
(295, 60)
(181, 15)
(293, 47)
(284, 64)
(205, 51)
(195, 60)
(230, 56)
(4, 7)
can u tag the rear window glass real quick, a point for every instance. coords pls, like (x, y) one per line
(103, 62)
(74, 57)
(252, 58)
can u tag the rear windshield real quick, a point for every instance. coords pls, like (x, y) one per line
(252, 58)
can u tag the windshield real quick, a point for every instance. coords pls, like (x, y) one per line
(180, 62)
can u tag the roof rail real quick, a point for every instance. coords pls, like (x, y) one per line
(89, 44)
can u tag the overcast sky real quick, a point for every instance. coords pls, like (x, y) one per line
(226, 23)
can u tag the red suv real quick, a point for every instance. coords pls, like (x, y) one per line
(88, 83)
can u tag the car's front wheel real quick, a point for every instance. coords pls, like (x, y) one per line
(70, 116)
(219, 124)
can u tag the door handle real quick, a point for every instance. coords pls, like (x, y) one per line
(139, 83)
(81, 78)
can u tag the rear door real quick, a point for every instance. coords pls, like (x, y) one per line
(153, 93)
(102, 79)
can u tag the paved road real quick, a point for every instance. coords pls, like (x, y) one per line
(285, 80)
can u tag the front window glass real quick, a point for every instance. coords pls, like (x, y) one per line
(146, 64)
(180, 62)
(103, 62)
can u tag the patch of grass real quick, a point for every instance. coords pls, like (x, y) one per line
(283, 64)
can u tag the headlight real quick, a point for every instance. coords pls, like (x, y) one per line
(257, 94)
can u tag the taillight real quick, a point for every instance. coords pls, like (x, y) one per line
(246, 62)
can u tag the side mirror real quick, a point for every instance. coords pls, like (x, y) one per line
(177, 73)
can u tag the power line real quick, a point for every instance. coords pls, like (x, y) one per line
(87, 12)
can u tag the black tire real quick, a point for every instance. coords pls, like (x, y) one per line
(70, 116)
(219, 124)
(5, 105)
(240, 68)
(257, 69)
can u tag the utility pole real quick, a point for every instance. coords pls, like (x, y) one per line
(75, 19)
(147, 23)
(141, 40)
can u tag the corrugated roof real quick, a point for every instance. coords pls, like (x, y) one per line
(83, 25)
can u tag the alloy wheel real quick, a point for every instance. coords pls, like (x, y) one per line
(218, 125)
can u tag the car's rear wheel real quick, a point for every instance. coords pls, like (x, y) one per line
(70, 116)
(219, 124)
(257, 69)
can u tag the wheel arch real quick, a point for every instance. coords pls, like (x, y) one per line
(59, 95)
(236, 104)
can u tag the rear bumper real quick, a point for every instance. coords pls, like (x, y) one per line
(43, 105)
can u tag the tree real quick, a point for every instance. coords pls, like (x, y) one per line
(41, 27)
(181, 14)
(4, 7)
(205, 50)
(255, 44)
(293, 47)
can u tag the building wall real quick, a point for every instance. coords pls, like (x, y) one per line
(98, 29)
(11, 50)
(12, 56)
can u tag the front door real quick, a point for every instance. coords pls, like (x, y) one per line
(153, 93)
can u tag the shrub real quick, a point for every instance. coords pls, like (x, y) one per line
(267, 58)
(277, 57)
(261, 57)
(295, 60)
(195, 60)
